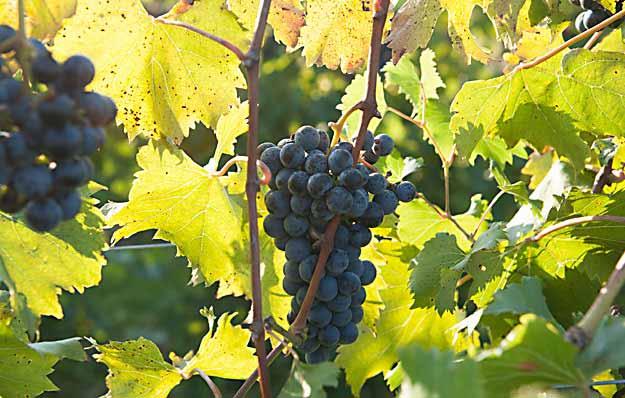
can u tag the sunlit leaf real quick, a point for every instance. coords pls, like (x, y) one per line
(309, 381)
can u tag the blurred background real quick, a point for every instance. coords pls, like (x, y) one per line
(145, 292)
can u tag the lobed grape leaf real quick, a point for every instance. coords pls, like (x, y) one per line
(396, 168)
(337, 34)
(43, 17)
(286, 17)
(184, 203)
(521, 298)
(230, 126)
(433, 373)
(164, 79)
(558, 98)
(413, 25)
(309, 381)
(40, 266)
(398, 325)
(533, 353)
(353, 95)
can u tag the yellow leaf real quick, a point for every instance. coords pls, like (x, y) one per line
(230, 126)
(43, 17)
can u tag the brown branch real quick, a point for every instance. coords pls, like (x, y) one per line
(211, 384)
(570, 42)
(369, 108)
(249, 382)
(252, 65)
(572, 222)
(593, 40)
(603, 177)
(266, 172)
(219, 40)
(585, 329)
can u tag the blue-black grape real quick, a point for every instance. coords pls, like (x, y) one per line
(296, 226)
(316, 162)
(341, 237)
(351, 179)
(291, 271)
(376, 183)
(6, 33)
(262, 147)
(360, 235)
(357, 314)
(368, 274)
(307, 267)
(292, 155)
(324, 141)
(63, 142)
(92, 140)
(359, 297)
(387, 200)
(373, 216)
(307, 137)
(355, 266)
(58, 110)
(298, 183)
(282, 179)
(340, 303)
(291, 286)
(360, 202)
(32, 182)
(383, 145)
(318, 356)
(319, 315)
(328, 288)
(70, 203)
(337, 262)
(10, 90)
(342, 318)
(405, 191)
(344, 145)
(43, 214)
(11, 202)
(348, 283)
(320, 211)
(349, 333)
(310, 345)
(319, 184)
(17, 151)
(370, 157)
(298, 249)
(300, 204)
(278, 203)
(301, 295)
(339, 200)
(77, 72)
(70, 173)
(271, 157)
(329, 336)
(339, 160)
(44, 68)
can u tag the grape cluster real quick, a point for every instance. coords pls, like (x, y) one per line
(594, 13)
(312, 184)
(47, 134)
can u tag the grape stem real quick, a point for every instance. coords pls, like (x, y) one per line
(486, 212)
(209, 382)
(22, 48)
(369, 108)
(593, 40)
(249, 382)
(337, 128)
(570, 42)
(266, 172)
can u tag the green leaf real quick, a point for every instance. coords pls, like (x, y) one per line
(230, 126)
(225, 353)
(437, 118)
(521, 298)
(558, 99)
(68, 348)
(472, 143)
(413, 25)
(430, 78)
(137, 370)
(437, 374)
(353, 95)
(23, 370)
(40, 266)
(164, 79)
(605, 350)
(309, 381)
(337, 34)
(405, 76)
(398, 325)
(533, 353)
(419, 223)
(43, 17)
(433, 279)
(398, 167)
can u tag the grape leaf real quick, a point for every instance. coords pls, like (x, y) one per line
(435, 373)
(397, 168)
(556, 100)
(230, 126)
(534, 352)
(430, 78)
(405, 76)
(40, 266)
(413, 25)
(419, 223)
(521, 298)
(184, 203)
(286, 17)
(309, 381)
(137, 369)
(605, 350)
(68, 348)
(398, 325)
(23, 370)
(43, 17)
(337, 34)
(472, 143)
(353, 95)
(164, 79)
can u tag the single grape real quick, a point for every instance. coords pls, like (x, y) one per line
(320, 211)
(92, 140)
(282, 179)
(348, 283)
(300, 295)
(295, 305)
(349, 333)
(319, 184)
(357, 314)
(310, 345)
(370, 157)
(307, 267)
(291, 286)
(360, 235)
(278, 203)
(69, 173)
(376, 183)
(328, 288)
(17, 150)
(292, 155)
(341, 237)
(99, 109)
(368, 142)
(319, 315)
(360, 203)
(339, 160)
(359, 297)
(339, 200)
(298, 249)
(340, 303)
(353, 252)
(337, 262)
(355, 266)
(405, 191)
(329, 336)
(316, 162)
(318, 356)
(291, 271)
(383, 145)
(351, 179)
(281, 243)
(32, 182)
(57, 111)
(347, 146)
(369, 273)
(77, 72)
(298, 183)
(274, 226)
(271, 157)
(307, 137)
(284, 141)
(262, 147)
(342, 318)
(373, 217)
(290, 317)
(44, 68)
(63, 143)
(300, 204)
(70, 203)
(43, 215)
(387, 200)
(10, 90)
(6, 33)
(296, 226)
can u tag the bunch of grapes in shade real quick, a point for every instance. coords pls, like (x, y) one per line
(311, 185)
(47, 133)
(593, 14)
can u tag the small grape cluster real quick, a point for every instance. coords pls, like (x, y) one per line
(311, 185)
(594, 13)
(47, 134)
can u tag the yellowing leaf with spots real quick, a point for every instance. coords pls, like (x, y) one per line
(43, 17)
(41, 266)
(163, 78)
(337, 33)
(286, 17)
